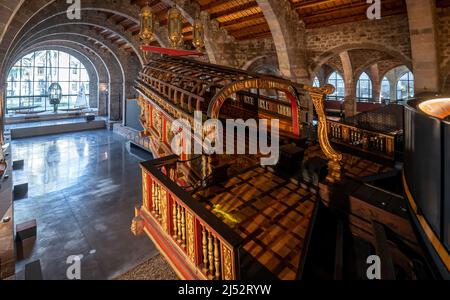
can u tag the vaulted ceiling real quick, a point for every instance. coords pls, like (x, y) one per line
(244, 19)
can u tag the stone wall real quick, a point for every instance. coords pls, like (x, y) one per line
(240, 53)
(444, 46)
(390, 35)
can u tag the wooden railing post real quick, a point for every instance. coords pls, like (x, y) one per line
(207, 244)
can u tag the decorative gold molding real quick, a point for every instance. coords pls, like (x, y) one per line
(163, 212)
(334, 157)
(137, 226)
(227, 263)
(190, 230)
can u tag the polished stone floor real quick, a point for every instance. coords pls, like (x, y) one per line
(83, 188)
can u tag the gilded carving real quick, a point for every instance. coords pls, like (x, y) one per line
(334, 157)
(137, 226)
(190, 230)
(227, 263)
(145, 190)
(164, 221)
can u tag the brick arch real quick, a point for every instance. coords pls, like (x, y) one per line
(115, 75)
(11, 9)
(117, 81)
(86, 22)
(260, 62)
(92, 19)
(30, 14)
(77, 32)
(327, 55)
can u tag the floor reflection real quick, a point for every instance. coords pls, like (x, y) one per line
(82, 190)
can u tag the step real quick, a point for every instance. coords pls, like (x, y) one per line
(47, 128)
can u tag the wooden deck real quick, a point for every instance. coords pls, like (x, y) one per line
(273, 214)
(354, 166)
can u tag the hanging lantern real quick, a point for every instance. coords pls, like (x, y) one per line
(198, 34)
(147, 18)
(175, 26)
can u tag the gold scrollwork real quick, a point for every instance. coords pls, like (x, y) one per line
(163, 212)
(190, 230)
(137, 226)
(334, 157)
(227, 263)
(145, 190)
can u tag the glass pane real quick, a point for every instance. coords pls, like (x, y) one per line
(26, 88)
(64, 87)
(27, 73)
(72, 102)
(64, 75)
(14, 75)
(18, 63)
(75, 74)
(64, 60)
(64, 104)
(28, 82)
(52, 59)
(40, 60)
(40, 102)
(52, 75)
(84, 75)
(28, 60)
(39, 73)
(86, 87)
(74, 88)
(74, 63)
(40, 88)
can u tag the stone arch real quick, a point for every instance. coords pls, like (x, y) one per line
(289, 36)
(98, 21)
(32, 10)
(94, 70)
(327, 55)
(116, 81)
(261, 64)
(13, 7)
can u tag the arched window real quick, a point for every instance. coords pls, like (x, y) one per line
(405, 87)
(29, 80)
(316, 82)
(385, 93)
(336, 80)
(364, 88)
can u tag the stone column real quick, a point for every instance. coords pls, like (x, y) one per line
(103, 100)
(425, 55)
(376, 82)
(116, 94)
(350, 85)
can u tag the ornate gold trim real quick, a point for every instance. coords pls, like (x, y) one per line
(227, 263)
(190, 231)
(258, 83)
(137, 226)
(334, 157)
